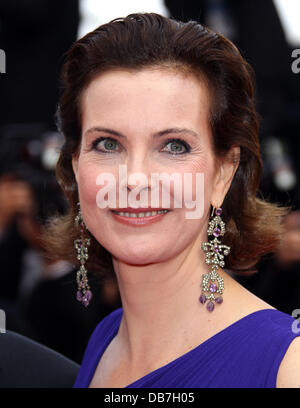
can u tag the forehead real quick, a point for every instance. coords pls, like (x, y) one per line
(146, 98)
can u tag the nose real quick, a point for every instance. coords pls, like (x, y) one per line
(130, 187)
(139, 180)
(142, 194)
(138, 171)
(136, 175)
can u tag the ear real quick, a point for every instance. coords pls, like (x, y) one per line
(226, 169)
(75, 166)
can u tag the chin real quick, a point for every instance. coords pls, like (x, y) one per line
(138, 258)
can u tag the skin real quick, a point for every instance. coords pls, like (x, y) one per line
(158, 267)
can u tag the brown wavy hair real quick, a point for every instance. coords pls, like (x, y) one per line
(138, 41)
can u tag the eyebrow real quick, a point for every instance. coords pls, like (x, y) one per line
(154, 135)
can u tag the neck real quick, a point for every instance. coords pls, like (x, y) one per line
(160, 300)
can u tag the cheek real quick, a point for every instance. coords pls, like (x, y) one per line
(87, 177)
(197, 183)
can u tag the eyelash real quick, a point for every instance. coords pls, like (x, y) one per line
(180, 141)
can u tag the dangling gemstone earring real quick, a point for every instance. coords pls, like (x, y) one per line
(213, 249)
(84, 293)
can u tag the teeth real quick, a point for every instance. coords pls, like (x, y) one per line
(141, 214)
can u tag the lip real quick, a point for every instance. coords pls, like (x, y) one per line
(139, 222)
(137, 210)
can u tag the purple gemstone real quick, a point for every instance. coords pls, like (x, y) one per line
(219, 299)
(202, 299)
(79, 296)
(219, 211)
(216, 248)
(213, 287)
(210, 306)
(85, 301)
(88, 295)
(216, 232)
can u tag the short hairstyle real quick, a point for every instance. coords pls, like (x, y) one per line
(144, 40)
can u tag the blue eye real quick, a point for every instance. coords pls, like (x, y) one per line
(106, 144)
(109, 145)
(177, 146)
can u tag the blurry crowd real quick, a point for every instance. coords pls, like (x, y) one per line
(39, 297)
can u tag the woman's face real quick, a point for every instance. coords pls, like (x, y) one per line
(150, 121)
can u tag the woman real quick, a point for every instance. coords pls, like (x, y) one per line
(150, 95)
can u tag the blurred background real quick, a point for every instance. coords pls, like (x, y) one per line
(39, 297)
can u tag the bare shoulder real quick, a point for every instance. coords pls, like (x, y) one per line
(288, 375)
(246, 302)
(289, 370)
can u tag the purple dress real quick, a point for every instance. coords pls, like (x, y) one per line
(246, 354)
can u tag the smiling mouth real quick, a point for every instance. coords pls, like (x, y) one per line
(141, 214)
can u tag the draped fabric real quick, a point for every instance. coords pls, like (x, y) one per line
(246, 354)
